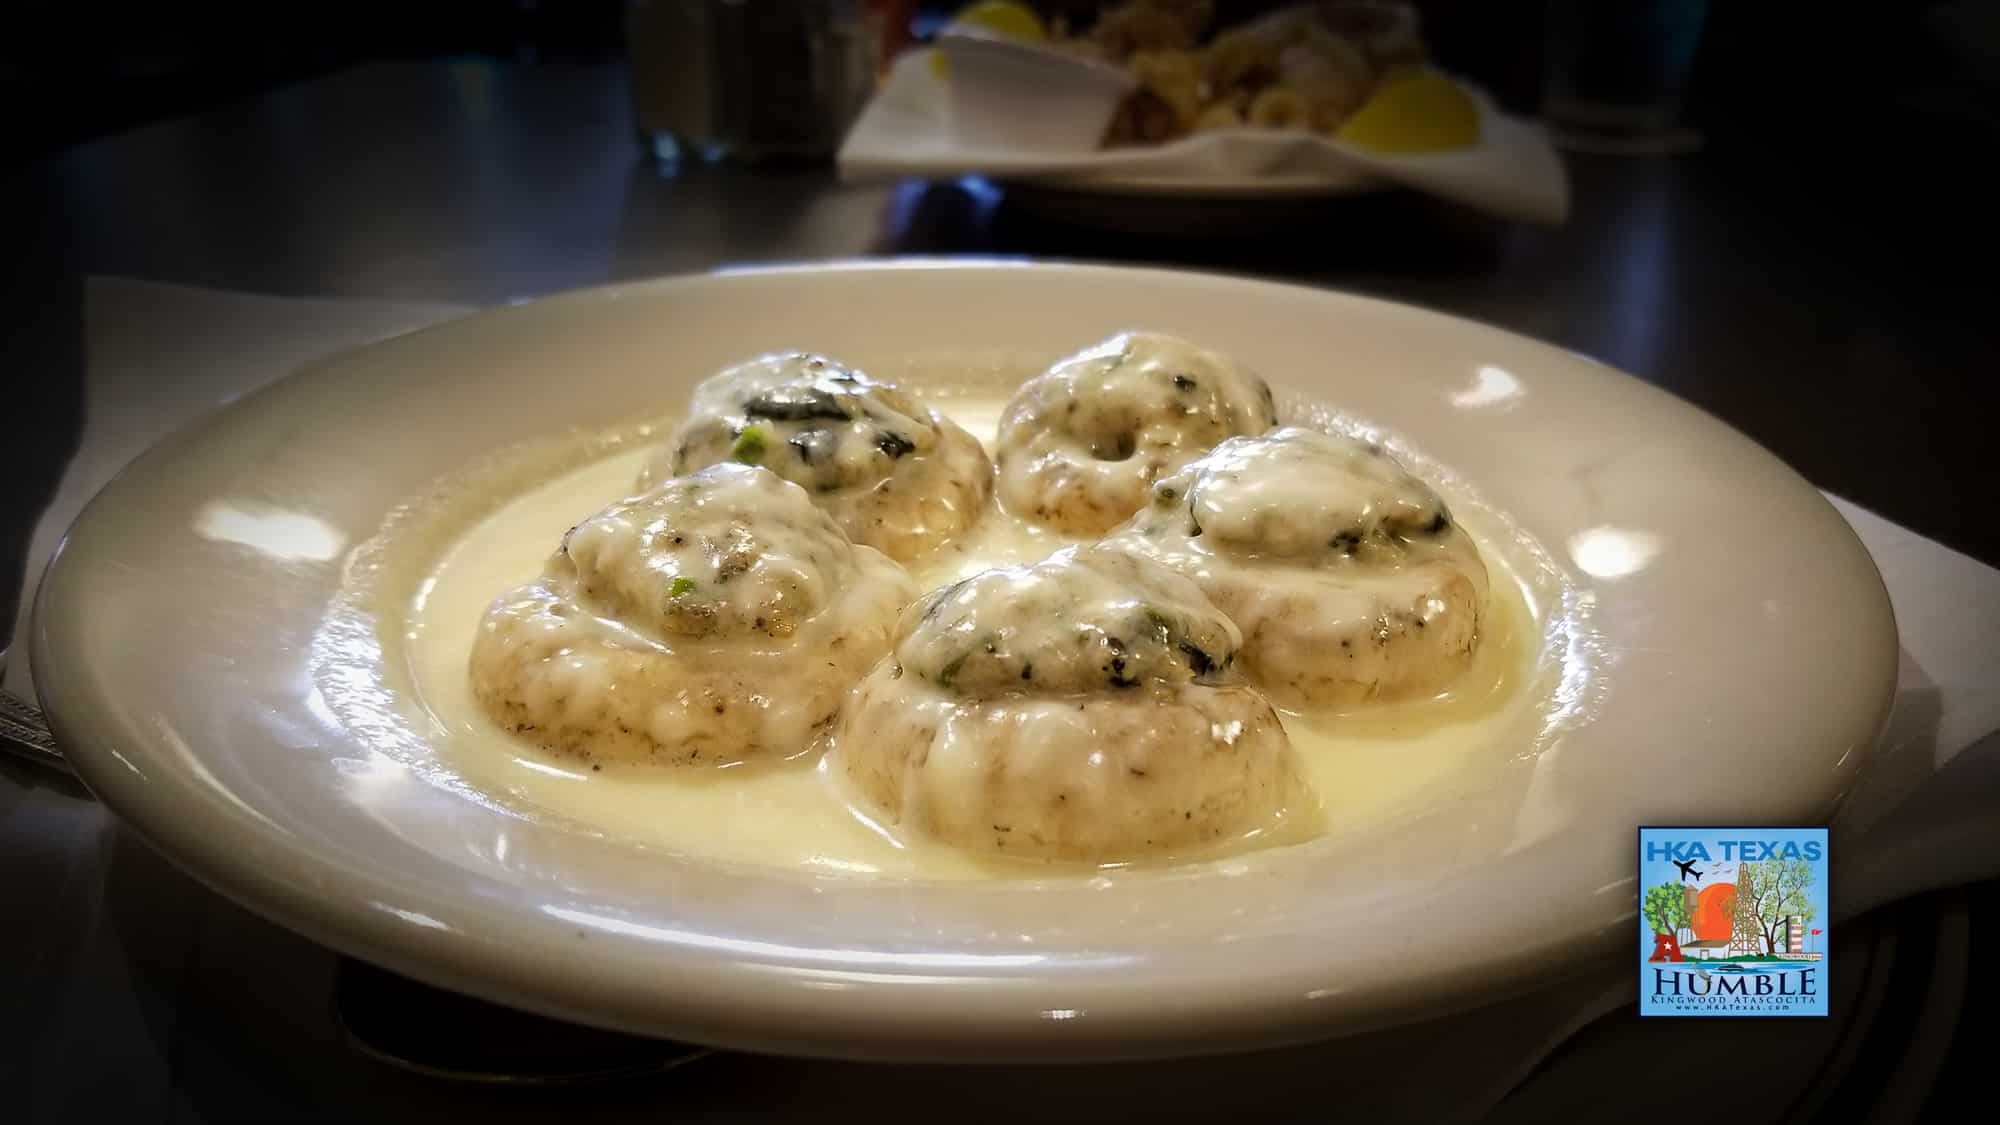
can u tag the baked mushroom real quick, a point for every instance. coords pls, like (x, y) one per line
(1084, 708)
(1081, 444)
(894, 473)
(1347, 574)
(715, 618)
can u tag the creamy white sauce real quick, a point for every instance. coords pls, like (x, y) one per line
(1368, 766)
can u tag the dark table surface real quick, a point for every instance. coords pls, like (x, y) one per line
(1840, 313)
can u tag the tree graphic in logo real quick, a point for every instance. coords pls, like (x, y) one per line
(1666, 909)
(1771, 899)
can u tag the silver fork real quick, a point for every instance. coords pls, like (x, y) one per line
(24, 733)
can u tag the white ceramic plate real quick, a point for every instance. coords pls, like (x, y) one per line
(1716, 647)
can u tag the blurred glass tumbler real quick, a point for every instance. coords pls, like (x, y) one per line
(750, 79)
(1619, 68)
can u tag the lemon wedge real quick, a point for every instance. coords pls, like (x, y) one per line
(1416, 111)
(1002, 17)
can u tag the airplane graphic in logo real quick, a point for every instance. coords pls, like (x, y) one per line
(1687, 869)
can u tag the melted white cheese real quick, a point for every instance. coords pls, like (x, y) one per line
(1366, 766)
(1080, 444)
(1297, 493)
(897, 475)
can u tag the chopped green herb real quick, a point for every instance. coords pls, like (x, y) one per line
(795, 404)
(893, 444)
(680, 586)
(1158, 619)
(1199, 662)
(949, 673)
(749, 447)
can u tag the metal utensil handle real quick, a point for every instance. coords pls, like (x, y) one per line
(25, 734)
